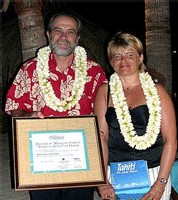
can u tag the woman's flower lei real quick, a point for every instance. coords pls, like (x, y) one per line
(80, 66)
(124, 117)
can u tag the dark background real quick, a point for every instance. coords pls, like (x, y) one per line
(121, 15)
(115, 16)
(112, 16)
(126, 16)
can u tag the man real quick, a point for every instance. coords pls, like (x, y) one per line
(60, 81)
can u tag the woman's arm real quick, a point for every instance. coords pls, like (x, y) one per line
(100, 108)
(169, 131)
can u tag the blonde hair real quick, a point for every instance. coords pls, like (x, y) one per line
(122, 40)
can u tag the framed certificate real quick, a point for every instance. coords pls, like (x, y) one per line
(57, 152)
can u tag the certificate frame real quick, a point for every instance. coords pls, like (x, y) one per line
(32, 152)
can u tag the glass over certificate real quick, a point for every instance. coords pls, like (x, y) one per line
(55, 151)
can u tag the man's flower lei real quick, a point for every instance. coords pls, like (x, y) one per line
(124, 117)
(80, 66)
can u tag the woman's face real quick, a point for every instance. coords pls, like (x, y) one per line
(126, 60)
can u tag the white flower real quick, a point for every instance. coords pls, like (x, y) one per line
(80, 66)
(123, 115)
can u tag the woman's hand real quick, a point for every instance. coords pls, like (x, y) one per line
(107, 192)
(155, 193)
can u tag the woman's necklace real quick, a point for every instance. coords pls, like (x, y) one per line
(124, 117)
(80, 66)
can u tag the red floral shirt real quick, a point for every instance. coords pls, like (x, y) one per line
(25, 92)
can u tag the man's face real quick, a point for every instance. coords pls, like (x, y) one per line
(63, 37)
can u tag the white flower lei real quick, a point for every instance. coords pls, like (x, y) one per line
(80, 65)
(123, 115)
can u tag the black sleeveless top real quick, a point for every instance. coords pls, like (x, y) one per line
(119, 150)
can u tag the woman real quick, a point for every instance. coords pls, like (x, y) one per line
(136, 117)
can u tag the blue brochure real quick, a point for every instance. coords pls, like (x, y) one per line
(130, 179)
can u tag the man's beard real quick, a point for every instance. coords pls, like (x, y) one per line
(61, 52)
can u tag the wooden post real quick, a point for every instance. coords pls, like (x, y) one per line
(31, 26)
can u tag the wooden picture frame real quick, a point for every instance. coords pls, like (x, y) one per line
(57, 152)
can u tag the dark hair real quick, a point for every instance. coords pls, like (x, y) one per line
(68, 14)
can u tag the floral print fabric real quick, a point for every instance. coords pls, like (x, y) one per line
(25, 92)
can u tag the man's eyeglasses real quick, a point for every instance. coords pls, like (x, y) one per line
(69, 32)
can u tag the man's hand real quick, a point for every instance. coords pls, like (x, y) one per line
(23, 113)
